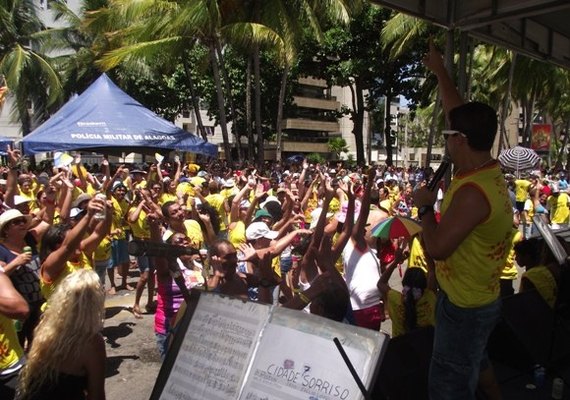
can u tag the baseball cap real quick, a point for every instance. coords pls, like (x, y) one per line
(20, 200)
(117, 185)
(75, 212)
(262, 213)
(257, 230)
(268, 200)
(229, 183)
(80, 199)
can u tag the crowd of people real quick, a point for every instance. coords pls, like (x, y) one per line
(298, 235)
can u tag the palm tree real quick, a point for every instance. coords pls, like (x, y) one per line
(28, 73)
(166, 28)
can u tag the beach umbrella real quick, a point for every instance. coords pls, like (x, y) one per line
(519, 158)
(395, 227)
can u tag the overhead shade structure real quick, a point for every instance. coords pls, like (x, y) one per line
(105, 119)
(536, 28)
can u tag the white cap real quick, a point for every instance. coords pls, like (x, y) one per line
(269, 199)
(20, 200)
(258, 230)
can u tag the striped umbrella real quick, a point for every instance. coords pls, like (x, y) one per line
(519, 159)
(396, 227)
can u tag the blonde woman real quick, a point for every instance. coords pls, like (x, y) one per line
(67, 358)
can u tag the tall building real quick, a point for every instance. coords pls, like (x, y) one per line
(307, 128)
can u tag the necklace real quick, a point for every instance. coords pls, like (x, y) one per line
(485, 163)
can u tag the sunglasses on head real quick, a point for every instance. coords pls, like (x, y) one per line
(452, 133)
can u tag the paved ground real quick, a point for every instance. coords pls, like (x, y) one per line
(133, 361)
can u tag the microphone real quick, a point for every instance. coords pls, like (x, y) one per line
(439, 174)
(154, 249)
(27, 249)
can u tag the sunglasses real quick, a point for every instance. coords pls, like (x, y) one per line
(181, 240)
(452, 133)
(19, 221)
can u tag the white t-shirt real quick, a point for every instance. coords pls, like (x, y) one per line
(361, 273)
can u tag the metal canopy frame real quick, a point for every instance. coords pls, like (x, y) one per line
(537, 28)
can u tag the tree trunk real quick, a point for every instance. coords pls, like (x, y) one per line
(505, 108)
(280, 109)
(250, 141)
(432, 129)
(228, 86)
(221, 105)
(388, 129)
(358, 121)
(257, 86)
(195, 101)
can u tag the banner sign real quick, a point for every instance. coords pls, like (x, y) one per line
(540, 139)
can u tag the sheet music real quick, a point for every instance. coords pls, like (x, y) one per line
(216, 350)
(297, 359)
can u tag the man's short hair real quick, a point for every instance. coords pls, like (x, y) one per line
(478, 122)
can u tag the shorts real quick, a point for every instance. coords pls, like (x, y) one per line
(101, 267)
(370, 317)
(143, 263)
(119, 252)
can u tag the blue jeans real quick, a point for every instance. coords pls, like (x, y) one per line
(162, 343)
(461, 336)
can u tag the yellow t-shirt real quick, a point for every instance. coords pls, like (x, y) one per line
(425, 311)
(237, 235)
(31, 197)
(103, 250)
(140, 228)
(470, 276)
(229, 192)
(217, 201)
(510, 270)
(48, 287)
(544, 282)
(119, 211)
(10, 349)
(521, 189)
(558, 207)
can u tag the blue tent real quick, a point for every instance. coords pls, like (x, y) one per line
(105, 119)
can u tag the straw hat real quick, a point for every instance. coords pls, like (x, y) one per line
(10, 215)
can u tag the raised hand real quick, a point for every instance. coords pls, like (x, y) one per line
(433, 60)
(248, 251)
(14, 156)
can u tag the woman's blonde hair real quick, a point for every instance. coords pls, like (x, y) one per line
(74, 315)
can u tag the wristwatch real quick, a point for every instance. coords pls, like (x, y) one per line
(423, 210)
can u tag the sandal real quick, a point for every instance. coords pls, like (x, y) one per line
(137, 312)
